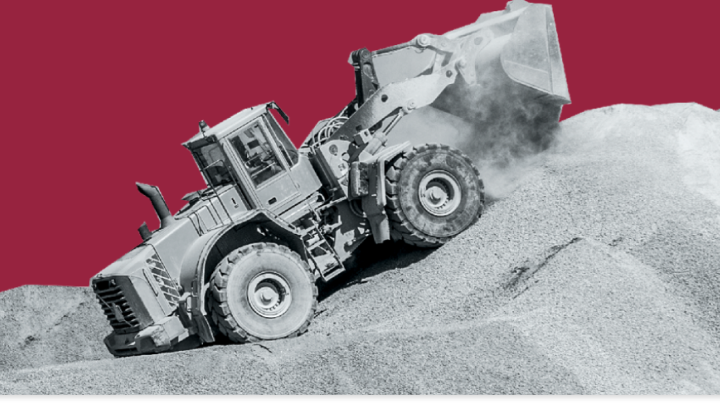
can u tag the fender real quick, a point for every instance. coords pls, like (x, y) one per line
(209, 249)
(367, 181)
(193, 260)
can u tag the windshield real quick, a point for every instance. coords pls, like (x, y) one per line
(253, 147)
(213, 163)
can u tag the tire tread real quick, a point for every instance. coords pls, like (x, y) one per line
(401, 228)
(218, 307)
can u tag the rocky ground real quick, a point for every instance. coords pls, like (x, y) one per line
(599, 274)
(49, 325)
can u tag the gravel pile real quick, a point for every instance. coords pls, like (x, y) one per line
(45, 325)
(597, 275)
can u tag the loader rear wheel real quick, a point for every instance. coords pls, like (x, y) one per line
(262, 291)
(433, 194)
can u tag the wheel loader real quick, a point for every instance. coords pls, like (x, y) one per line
(241, 260)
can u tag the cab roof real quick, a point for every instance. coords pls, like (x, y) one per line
(229, 125)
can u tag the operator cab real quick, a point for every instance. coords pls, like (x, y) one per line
(251, 153)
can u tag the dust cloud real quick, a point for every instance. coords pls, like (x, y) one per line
(500, 124)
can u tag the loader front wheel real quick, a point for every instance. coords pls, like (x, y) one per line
(433, 194)
(262, 291)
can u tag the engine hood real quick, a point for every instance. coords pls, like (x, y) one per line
(166, 245)
(172, 242)
(211, 209)
(130, 264)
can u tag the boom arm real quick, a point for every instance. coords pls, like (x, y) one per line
(451, 60)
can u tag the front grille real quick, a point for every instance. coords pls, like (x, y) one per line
(167, 284)
(113, 302)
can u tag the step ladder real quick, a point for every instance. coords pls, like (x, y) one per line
(322, 254)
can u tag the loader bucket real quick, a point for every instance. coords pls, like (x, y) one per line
(532, 57)
(521, 55)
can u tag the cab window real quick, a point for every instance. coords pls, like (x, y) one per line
(212, 161)
(256, 153)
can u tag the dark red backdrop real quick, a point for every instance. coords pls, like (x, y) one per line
(98, 95)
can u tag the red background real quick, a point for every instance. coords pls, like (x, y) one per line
(98, 95)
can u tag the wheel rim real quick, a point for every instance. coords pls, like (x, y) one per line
(269, 295)
(439, 193)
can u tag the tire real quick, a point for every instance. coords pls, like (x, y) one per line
(262, 291)
(433, 193)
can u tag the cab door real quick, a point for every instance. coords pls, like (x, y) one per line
(265, 167)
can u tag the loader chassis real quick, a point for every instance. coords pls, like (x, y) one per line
(241, 259)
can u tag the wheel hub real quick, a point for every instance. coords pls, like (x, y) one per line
(439, 193)
(269, 295)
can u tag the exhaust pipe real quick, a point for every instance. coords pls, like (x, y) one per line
(158, 202)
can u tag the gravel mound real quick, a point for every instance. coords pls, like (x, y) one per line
(456, 359)
(45, 325)
(597, 275)
(610, 320)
